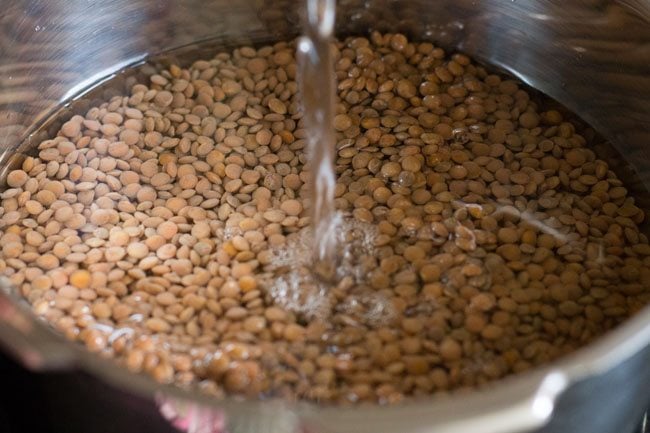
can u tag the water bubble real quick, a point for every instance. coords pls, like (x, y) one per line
(406, 178)
(460, 135)
(231, 232)
(293, 283)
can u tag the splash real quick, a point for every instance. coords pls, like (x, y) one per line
(293, 284)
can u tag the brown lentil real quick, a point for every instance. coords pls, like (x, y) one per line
(484, 235)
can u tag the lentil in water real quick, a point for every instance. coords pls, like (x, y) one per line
(479, 236)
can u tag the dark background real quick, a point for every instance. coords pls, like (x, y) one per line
(70, 402)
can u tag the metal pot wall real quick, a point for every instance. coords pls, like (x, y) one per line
(593, 56)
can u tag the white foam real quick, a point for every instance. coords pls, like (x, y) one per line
(374, 309)
(301, 294)
(294, 286)
(231, 231)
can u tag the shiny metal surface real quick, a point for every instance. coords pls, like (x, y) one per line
(591, 55)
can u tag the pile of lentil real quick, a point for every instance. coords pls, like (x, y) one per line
(147, 228)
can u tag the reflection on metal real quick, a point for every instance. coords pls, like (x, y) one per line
(549, 390)
(28, 341)
(645, 424)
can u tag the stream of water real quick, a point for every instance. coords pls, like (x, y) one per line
(318, 90)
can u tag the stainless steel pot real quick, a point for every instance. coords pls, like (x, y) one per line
(591, 55)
